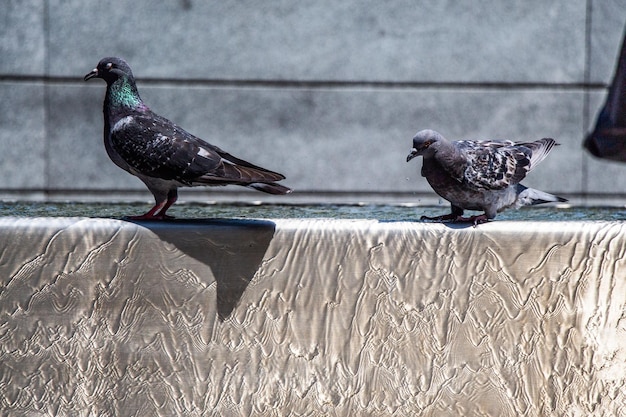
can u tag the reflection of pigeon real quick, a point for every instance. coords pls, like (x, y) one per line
(161, 154)
(608, 139)
(480, 175)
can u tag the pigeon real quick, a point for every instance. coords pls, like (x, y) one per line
(161, 154)
(480, 175)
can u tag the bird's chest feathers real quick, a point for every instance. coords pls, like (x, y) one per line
(445, 184)
(121, 124)
(132, 137)
(108, 141)
(437, 176)
(132, 143)
(450, 170)
(459, 193)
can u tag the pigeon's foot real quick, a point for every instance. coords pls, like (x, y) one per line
(456, 218)
(476, 220)
(149, 216)
(155, 213)
(445, 217)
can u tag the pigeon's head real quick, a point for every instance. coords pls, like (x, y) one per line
(110, 69)
(425, 143)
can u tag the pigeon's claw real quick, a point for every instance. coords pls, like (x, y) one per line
(156, 213)
(456, 218)
(150, 217)
(476, 220)
(442, 218)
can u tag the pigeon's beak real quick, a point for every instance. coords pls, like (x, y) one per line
(92, 74)
(412, 155)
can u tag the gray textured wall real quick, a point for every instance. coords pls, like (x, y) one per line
(329, 93)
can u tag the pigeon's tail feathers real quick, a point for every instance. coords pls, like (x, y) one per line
(270, 188)
(530, 197)
(257, 178)
(245, 168)
(540, 149)
(249, 173)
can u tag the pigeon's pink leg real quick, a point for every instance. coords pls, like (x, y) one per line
(473, 219)
(158, 211)
(170, 200)
(150, 215)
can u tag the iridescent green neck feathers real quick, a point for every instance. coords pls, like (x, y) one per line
(123, 93)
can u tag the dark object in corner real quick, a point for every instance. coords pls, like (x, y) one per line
(608, 139)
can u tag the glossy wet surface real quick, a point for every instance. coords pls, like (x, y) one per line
(274, 211)
(295, 317)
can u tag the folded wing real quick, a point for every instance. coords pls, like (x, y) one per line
(155, 147)
(495, 165)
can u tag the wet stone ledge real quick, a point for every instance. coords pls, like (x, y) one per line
(312, 317)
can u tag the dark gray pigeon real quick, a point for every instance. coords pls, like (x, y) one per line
(161, 154)
(480, 175)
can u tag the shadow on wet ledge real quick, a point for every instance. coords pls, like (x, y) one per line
(233, 249)
(450, 225)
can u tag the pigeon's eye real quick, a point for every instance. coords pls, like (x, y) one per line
(109, 65)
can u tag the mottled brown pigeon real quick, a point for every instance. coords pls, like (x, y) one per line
(480, 175)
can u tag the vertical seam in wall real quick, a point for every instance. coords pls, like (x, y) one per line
(46, 99)
(586, 98)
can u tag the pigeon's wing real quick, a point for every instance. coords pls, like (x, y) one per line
(498, 164)
(156, 147)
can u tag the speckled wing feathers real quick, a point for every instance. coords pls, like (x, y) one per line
(156, 147)
(496, 165)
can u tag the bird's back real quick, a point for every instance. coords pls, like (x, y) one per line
(499, 164)
(154, 146)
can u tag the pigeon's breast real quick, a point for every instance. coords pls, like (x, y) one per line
(461, 196)
(108, 143)
(122, 123)
(455, 191)
(467, 198)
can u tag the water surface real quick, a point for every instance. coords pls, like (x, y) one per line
(401, 212)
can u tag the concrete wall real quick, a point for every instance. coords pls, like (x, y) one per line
(328, 93)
